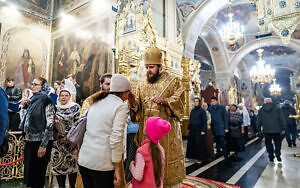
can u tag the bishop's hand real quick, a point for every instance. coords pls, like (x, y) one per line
(158, 100)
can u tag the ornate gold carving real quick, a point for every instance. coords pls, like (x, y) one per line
(132, 40)
(186, 82)
(195, 76)
(16, 148)
(132, 44)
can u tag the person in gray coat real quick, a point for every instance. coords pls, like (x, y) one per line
(271, 119)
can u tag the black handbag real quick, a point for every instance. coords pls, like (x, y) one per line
(235, 132)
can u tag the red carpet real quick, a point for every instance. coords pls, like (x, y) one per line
(195, 182)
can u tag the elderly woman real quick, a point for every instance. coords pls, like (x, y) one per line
(65, 83)
(102, 148)
(64, 153)
(37, 125)
(236, 130)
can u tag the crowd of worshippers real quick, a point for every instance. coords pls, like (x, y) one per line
(35, 112)
(231, 127)
(141, 127)
(128, 136)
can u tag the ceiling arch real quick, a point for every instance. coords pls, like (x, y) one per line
(216, 48)
(252, 45)
(194, 25)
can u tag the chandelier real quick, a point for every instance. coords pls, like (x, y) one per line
(282, 16)
(275, 89)
(261, 73)
(232, 31)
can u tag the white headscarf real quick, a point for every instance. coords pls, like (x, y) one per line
(246, 117)
(29, 96)
(52, 90)
(69, 104)
(71, 89)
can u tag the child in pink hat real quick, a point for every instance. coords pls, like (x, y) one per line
(148, 168)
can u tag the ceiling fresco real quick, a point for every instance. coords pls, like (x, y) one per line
(202, 53)
(245, 14)
(40, 7)
(186, 7)
(276, 56)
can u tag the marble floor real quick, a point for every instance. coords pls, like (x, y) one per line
(253, 169)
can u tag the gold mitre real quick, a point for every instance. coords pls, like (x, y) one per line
(153, 56)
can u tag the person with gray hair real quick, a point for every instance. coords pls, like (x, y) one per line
(271, 119)
(291, 123)
(268, 100)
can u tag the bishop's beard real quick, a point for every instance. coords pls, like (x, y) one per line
(154, 78)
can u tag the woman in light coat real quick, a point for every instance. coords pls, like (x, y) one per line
(102, 148)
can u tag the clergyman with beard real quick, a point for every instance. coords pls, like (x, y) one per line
(161, 95)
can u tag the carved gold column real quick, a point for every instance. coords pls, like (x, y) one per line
(186, 80)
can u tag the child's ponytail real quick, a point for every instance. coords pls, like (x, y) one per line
(157, 162)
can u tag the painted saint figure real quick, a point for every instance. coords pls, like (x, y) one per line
(74, 60)
(25, 70)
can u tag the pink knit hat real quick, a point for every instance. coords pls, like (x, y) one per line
(119, 83)
(156, 128)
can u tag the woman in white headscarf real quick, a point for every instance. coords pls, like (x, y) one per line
(65, 83)
(64, 153)
(27, 94)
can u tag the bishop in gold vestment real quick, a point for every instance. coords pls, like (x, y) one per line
(171, 108)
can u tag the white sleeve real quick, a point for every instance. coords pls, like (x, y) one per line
(137, 171)
(117, 134)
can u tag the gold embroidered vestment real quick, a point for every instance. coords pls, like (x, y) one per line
(170, 89)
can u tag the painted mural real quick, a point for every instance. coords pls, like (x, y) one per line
(277, 56)
(217, 54)
(186, 7)
(38, 6)
(84, 52)
(296, 34)
(24, 55)
(244, 14)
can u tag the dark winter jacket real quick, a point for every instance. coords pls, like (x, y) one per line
(219, 120)
(79, 93)
(198, 120)
(3, 114)
(38, 119)
(14, 94)
(271, 118)
(235, 120)
(288, 110)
